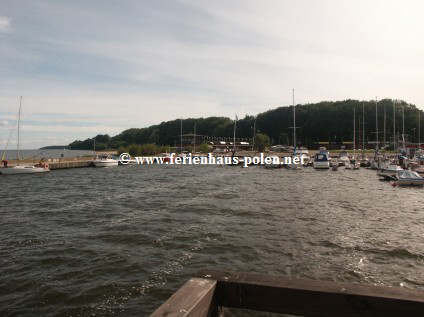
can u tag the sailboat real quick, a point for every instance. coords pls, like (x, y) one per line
(353, 165)
(22, 169)
(293, 165)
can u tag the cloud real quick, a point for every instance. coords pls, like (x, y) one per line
(4, 24)
(4, 123)
(144, 62)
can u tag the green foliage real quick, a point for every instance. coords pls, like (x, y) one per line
(203, 148)
(261, 142)
(323, 121)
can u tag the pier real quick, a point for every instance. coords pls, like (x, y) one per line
(59, 163)
(204, 296)
(75, 163)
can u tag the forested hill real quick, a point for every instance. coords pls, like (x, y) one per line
(323, 121)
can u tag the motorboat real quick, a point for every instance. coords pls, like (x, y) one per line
(408, 178)
(104, 161)
(389, 172)
(321, 161)
(352, 165)
(343, 158)
(166, 157)
(303, 154)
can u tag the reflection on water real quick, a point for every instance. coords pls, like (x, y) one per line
(119, 241)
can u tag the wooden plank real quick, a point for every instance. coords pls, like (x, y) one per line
(194, 299)
(313, 298)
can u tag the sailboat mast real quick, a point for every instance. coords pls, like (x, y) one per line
(363, 130)
(181, 137)
(294, 126)
(419, 136)
(235, 125)
(194, 139)
(19, 129)
(403, 128)
(384, 127)
(354, 132)
(394, 126)
(254, 134)
(376, 125)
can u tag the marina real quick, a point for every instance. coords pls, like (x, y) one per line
(124, 251)
(211, 159)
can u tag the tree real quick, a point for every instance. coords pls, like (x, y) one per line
(204, 148)
(262, 142)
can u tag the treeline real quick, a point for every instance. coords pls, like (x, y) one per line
(320, 122)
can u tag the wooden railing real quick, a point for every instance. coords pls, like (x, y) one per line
(203, 296)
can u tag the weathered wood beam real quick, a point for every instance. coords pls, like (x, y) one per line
(194, 299)
(313, 298)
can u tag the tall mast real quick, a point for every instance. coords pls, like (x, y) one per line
(419, 136)
(235, 125)
(363, 130)
(19, 129)
(181, 137)
(294, 126)
(394, 126)
(403, 128)
(194, 141)
(254, 134)
(384, 127)
(376, 126)
(354, 132)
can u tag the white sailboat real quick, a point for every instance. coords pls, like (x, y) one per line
(293, 165)
(353, 165)
(22, 169)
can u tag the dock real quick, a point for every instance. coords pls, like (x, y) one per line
(207, 294)
(59, 163)
(76, 163)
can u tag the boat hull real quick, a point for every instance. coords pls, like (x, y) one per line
(105, 163)
(410, 182)
(321, 165)
(23, 170)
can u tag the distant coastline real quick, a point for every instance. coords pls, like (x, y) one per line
(55, 147)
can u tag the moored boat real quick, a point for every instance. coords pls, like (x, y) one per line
(104, 161)
(343, 158)
(408, 178)
(22, 169)
(389, 172)
(321, 161)
(25, 169)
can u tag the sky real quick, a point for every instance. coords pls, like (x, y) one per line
(88, 67)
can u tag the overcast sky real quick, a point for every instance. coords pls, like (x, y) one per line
(87, 67)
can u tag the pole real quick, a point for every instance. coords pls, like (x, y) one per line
(403, 128)
(354, 132)
(294, 126)
(254, 135)
(235, 125)
(181, 137)
(363, 130)
(394, 126)
(376, 126)
(384, 127)
(419, 131)
(194, 141)
(19, 129)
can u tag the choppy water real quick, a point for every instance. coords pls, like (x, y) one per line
(119, 241)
